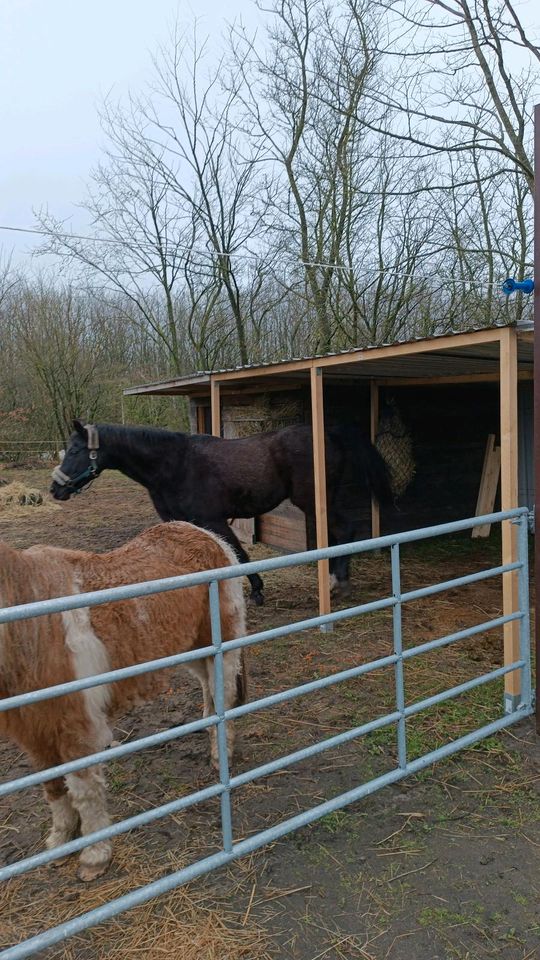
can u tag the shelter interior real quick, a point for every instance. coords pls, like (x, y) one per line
(447, 396)
(456, 392)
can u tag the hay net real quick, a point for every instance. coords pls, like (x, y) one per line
(394, 443)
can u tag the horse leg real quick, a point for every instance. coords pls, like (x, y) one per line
(65, 819)
(199, 669)
(87, 793)
(341, 530)
(224, 531)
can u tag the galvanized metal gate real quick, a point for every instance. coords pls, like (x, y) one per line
(232, 849)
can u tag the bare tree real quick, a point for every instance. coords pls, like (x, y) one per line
(457, 90)
(192, 130)
(138, 249)
(304, 93)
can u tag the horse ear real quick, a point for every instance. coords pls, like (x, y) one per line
(78, 426)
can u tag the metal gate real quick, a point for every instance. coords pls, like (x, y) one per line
(231, 849)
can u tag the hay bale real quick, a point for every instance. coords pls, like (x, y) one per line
(393, 441)
(261, 415)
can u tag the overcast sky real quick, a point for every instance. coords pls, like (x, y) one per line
(58, 60)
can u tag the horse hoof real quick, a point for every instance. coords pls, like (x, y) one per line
(91, 871)
(341, 589)
(257, 598)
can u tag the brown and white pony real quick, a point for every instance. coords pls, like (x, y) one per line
(54, 649)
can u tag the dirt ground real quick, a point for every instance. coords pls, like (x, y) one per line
(442, 865)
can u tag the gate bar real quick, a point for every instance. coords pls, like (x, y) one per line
(166, 884)
(113, 753)
(398, 651)
(147, 588)
(219, 703)
(273, 766)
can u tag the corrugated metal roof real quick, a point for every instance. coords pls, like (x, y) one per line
(415, 364)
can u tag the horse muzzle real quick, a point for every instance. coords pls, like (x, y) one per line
(61, 486)
(59, 492)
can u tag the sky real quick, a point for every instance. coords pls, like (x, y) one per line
(58, 60)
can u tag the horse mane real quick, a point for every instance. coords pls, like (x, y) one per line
(133, 436)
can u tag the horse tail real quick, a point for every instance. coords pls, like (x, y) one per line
(242, 681)
(366, 461)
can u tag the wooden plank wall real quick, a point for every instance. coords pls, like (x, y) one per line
(283, 528)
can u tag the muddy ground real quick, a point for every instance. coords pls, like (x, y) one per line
(442, 865)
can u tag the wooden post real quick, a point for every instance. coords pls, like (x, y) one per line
(319, 471)
(201, 426)
(215, 404)
(536, 307)
(489, 482)
(509, 500)
(374, 426)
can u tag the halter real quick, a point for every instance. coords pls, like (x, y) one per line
(91, 472)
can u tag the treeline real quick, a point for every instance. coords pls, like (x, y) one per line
(357, 173)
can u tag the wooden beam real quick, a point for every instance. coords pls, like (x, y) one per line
(489, 482)
(201, 388)
(536, 406)
(430, 345)
(267, 370)
(374, 426)
(276, 385)
(215, 404)
(509, 500)
(319, 471)
(162, 386)
(448, 380)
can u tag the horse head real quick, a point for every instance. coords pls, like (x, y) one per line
(80, 464)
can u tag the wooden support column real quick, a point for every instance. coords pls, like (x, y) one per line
(509, 500)
(201, 426)
(374, 426)
(215, 405)
(536, 307)
(319, 470)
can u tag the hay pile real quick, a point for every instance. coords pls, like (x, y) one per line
(16, 497)
(186, 924)
(265, 413)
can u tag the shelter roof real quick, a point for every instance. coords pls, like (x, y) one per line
(471, 355)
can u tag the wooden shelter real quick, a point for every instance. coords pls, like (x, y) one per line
(499, 356)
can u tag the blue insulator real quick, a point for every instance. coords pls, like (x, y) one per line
(513, 286)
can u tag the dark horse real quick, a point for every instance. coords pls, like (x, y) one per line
(208, 481)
